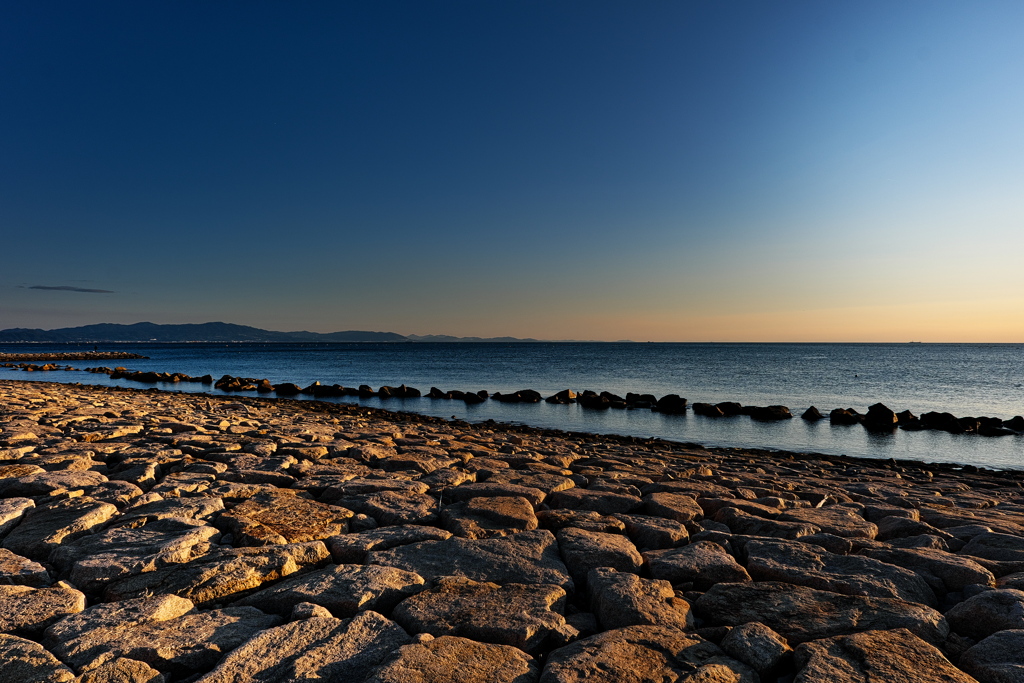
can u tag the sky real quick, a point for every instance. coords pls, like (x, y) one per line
(658, 171)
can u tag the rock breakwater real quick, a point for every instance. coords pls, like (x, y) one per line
(156, 536)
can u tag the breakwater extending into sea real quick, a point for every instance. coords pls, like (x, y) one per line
(965, 380)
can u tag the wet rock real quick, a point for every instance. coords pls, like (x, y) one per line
(743, 523)
(585, 550)
(702, 563)
(23, 661)
(621, 599)
(636, 654)
(345, 590)
(21, 571)
(564, 397)
(892, 656)
(450, 659)
(44, 528)
(996, 659)
(671, 404)
(313, 649)
(880, 418)
(520, 615)
(759, 647)
(812, 414)
(27, 611)
(707, 410)
(220, 574)
(987, 612)
(526, 557)
(352, 548)
(770, 413)
(800, 614)
(275, 519)
(486, 517)
(844, 416)
(801, 564)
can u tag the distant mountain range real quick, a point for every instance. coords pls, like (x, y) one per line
(214, 332)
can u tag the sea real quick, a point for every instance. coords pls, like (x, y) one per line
(963, 379)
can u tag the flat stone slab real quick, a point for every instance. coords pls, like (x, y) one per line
(806, 565)
(603, 502)
(891, 656)
(315, 649)
(48, 483)
(526, 557)
(943, 571)
(122, 670)
(44, 528)
(27, 611)
(345, 590)
(835, 520)
(450, 659)
(21, 571)
(221, 574)
(25, 661)
(801, 614)
(744, 523)
(620, 599)
(677, 506)
(11, 511)
(188, 643)
(394, 507)
(197, 507)
(585, 550)
(521, 615)
(275, 519)
(703, 564)
(489, 516)
(96, 559)
(654, 533)
(636, 654)
(352, 548)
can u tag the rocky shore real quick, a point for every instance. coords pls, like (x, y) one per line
(157, 536)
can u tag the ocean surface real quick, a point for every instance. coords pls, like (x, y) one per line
(964, 379)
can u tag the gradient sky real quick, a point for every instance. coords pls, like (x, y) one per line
(669, 171)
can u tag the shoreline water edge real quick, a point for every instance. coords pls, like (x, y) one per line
(190, 537)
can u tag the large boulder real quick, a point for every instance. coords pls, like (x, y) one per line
(26, 611)
(621, 599)
(270, 518)
(24, 661)
(585, 550)
(44, 528)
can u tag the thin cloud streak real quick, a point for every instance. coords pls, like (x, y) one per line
(66, 288)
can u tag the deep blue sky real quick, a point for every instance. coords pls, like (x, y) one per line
(659, 170)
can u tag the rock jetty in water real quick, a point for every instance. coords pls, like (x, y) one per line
(156, 536)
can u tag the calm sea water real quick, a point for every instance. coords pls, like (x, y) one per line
(964, 379)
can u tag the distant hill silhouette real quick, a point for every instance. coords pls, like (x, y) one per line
(204, 332)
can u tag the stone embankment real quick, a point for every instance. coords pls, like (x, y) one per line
(154, 536)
